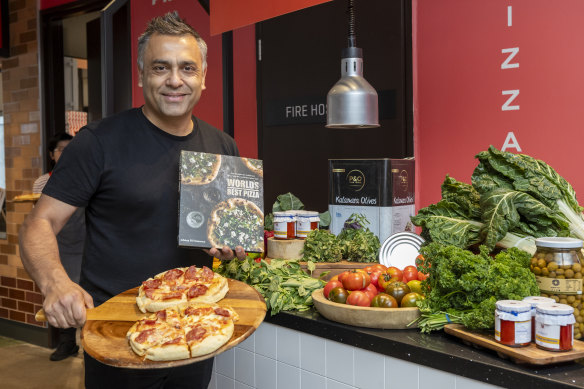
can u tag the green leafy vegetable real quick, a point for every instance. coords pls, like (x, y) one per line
(287, 202)
(282, 283)
(358, 243)
(463, 287)
(513, 199)
(322, 246)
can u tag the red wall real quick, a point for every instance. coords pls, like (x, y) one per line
(459, 84)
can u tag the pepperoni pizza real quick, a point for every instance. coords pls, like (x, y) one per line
(193, 331)
(180, 287)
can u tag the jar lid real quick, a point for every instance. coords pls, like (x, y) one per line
(291, 212)
(283, 214)
(555, 309)
(513, 306)
(559, 242)
(535, 300)
(307, 213)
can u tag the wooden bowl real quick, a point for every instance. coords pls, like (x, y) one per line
(386, 318)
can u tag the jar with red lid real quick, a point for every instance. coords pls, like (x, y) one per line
(513, 323)
(284, 225)
(306, 221)
(554, 327)
(534, 301)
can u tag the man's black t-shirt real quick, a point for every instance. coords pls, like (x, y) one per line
(125, 171)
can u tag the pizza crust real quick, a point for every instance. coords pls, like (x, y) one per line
(252, 167)
(213, 342)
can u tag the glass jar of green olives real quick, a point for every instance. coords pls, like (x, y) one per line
(557, 265)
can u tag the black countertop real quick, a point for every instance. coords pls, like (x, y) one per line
(437, 350)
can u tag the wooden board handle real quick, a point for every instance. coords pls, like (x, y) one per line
(40, 316)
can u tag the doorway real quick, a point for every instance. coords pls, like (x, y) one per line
(86, 65)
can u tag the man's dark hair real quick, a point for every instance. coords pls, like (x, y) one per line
(169, 24)
(55, 139)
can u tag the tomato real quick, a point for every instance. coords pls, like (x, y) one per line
(385, 279)
(330, 285)
(356, 280)
(395, 272)
(334, 278)
(368, 269)
(419, 260)
(338, 295)
(411, 299)
(342, 275)
(410, 273)
(398, 290)
(371, 290)
(359, 298)
(383, 300)
(374, 278)
(379, 266)
(415, 286)
(422, 276)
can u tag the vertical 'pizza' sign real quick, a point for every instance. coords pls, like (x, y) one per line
(221, 201)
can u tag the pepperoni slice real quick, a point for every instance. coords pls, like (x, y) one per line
(196, 290)
(171, 296)
(196, 333)
(172, 274)
(152, 284)
(143, 336)
(161, 315)
(178, 288)
(174, 341)
(149, 293)
(198, 311)
(207, 274)
(191, 273)
(222, 312)
(148, 322)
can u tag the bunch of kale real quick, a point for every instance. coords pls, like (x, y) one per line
(513, 199)
(463, 287)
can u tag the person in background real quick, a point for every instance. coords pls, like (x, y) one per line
(125, 171)
(70, 242)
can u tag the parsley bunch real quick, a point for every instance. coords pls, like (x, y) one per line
(359, 244)
(463, 287)
(322, 246)
(282, 283)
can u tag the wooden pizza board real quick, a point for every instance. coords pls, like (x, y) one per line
(371, 317)
(105, 340)
(528, 355)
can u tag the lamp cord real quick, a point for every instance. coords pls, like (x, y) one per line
(352, 36)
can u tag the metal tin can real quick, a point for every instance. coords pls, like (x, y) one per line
(557, 265)
(513, 323)
(554, 326)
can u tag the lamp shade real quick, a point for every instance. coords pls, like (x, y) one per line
(352, 102)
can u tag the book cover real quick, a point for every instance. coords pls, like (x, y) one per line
(221, 202)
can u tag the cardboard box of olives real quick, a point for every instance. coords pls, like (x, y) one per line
(221, 202)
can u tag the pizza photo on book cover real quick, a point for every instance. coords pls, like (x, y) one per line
(221, 202)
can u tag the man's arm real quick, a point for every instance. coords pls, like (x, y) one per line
(65, 301)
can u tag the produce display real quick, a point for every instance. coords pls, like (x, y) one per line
(377, 286)
(282, 283)
(463, 287)
(513, 198)
(354, 243)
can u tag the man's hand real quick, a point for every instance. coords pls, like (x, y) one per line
(226, 254)
(65, 304)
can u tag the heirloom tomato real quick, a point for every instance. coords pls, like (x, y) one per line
(410, 273)
(395, 272)
(338, 295)
(375, 278)
(415, 286)
(330, 285)
(411, 299)
(359, 298)
(398, 290)
(385, 279)
(379, 266)
(383, 300)
(422, 276)
(342, 275)
(371, 290)
(356, 280)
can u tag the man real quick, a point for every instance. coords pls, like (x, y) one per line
(70, 242)
(124, 170)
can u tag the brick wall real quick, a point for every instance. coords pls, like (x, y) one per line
(19, 296)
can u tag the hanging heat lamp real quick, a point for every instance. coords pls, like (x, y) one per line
(352, 101)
